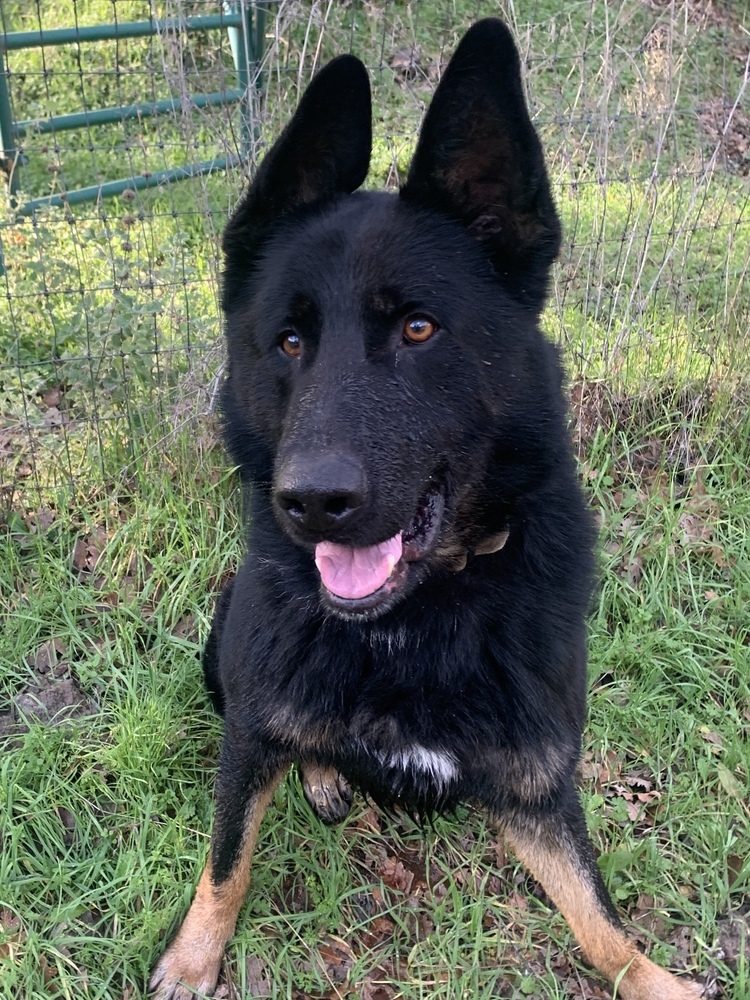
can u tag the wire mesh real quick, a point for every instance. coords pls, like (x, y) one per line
(110, 339)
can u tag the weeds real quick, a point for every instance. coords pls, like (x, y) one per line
(120, 521)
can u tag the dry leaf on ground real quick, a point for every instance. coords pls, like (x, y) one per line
(337, 957)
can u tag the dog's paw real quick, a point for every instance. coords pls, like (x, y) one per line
(646, 981)
(183, 971)
(327, 791)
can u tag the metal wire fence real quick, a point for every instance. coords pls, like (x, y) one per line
(110, 340)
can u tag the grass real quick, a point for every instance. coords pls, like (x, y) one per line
(120, 521)
(629, 100)
(105, 821)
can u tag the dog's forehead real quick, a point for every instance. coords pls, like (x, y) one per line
(375, 243)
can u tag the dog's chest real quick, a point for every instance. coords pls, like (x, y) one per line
(419, 764)
(409, 775)
(396, 763)
(392, 711)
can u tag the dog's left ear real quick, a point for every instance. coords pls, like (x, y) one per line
(480, 161)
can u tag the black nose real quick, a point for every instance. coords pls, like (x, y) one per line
(320, 492)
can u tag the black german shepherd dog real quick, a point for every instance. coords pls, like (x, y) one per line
(410, 616)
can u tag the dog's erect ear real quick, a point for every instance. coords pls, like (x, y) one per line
(324, 151)
(479, 160)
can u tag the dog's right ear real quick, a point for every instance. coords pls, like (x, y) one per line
(324, 151)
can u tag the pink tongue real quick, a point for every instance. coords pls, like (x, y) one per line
(355, 573)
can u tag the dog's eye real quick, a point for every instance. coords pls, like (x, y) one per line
(291, 345)
(418, 329)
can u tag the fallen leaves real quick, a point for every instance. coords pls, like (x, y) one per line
(735, 868)
(406, 63)
(257, 978)
(378, 930)
(337, 957)
(372, 990)
(688, 526)
(411, 68)
(635, 788)
(729, 782)
(49, 657)
(714, 738)
(696, 525)
(395, 875)
(649, 915)
(68, 822)
(11, 935)
(601, 770)
(41, 520)
(586, 988)
(88, 549)
(637, 793)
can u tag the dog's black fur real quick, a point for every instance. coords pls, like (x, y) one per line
(463, 677)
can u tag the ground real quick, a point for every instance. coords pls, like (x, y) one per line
(120, 521)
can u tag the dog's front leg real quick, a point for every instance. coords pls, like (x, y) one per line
(556, 850)
(248, 776)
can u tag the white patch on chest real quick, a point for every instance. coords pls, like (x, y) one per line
(388, 639)
(437, 765)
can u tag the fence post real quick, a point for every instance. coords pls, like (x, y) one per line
(7, 137)
(247, 50)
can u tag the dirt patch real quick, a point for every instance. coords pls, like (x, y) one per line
(730, 134)
(52, 698)
(668, 426)
(56, 702)
(704, 13)
(733, 944)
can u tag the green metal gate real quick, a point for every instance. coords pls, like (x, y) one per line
(244, 22)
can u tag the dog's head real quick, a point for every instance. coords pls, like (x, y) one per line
(389, 390)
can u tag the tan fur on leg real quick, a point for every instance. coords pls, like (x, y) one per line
(193, 959)
(605, 945)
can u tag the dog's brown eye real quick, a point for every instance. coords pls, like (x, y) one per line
(418, 329)
(291, 345)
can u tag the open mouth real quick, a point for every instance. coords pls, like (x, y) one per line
(360, 581)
